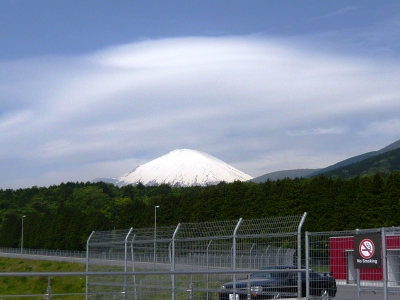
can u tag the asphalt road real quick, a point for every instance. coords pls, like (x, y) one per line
(349, 292)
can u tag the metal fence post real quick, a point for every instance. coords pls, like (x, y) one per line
(87, 264)
(234, 256)
(384, 265)
(191, 287)
(126, 262)
(299, 253)
(358, 284)
(208, 266)
(133, 268)
(358, 275)
(48, 292)
(173, 262)
(307, 265)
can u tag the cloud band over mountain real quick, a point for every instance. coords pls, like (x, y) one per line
(259, 103)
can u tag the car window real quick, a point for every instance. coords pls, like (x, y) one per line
(270, 275)
(266, 275)
(279, 275)
(313, 274)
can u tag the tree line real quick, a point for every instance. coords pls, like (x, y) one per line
(63, 216)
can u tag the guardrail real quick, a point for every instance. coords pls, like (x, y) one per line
(44, 252)
(132, 289)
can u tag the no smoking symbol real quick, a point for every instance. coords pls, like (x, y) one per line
(366, 248)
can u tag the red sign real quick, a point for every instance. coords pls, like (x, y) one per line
(366, 248)
(367, 251)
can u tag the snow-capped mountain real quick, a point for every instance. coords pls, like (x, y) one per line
(183, 167)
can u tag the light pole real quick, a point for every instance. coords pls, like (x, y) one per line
(22, 233)
(155, 232)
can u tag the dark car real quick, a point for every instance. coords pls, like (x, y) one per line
(274, 283)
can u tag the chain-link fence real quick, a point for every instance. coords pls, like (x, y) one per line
(213, 260)
(365, 263)
(230, 245)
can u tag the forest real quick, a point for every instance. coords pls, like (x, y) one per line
(63, 216)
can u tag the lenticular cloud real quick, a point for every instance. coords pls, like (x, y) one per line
(259, 103)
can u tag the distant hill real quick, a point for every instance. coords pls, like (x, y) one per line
(355, 159)
(392, 146)
(297, 173)
(384, 163)
(344, 163)
(340, 169)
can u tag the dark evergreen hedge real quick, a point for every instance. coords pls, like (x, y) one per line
(62, 217)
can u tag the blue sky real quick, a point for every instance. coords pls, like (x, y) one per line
(94, 88)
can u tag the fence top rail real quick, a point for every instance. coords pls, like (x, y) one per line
(263, 227)
(145, 234)
(331, 233)
(109, 236)
(113, 273)
(388, 230)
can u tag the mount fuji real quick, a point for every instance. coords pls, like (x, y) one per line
(183, 167)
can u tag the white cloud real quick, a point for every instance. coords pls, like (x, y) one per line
(317, 131)
(261, 104)
(384, 127)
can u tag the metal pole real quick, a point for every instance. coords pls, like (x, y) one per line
(358, 275)
(22, 233)
(133, 267)
(126, 263)
(173, 261)
(384, 265)
(358, 285)
(307, 265)
(155, 232)
(208, 266)
(87, 265)
(48, 289)
(299, 292)
(234, 255)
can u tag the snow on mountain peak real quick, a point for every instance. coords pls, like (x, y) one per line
(183, 167)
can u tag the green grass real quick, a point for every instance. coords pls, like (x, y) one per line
(23, 285)
(154, 286)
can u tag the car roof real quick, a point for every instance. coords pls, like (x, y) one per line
(277, 267)
(283, 268)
